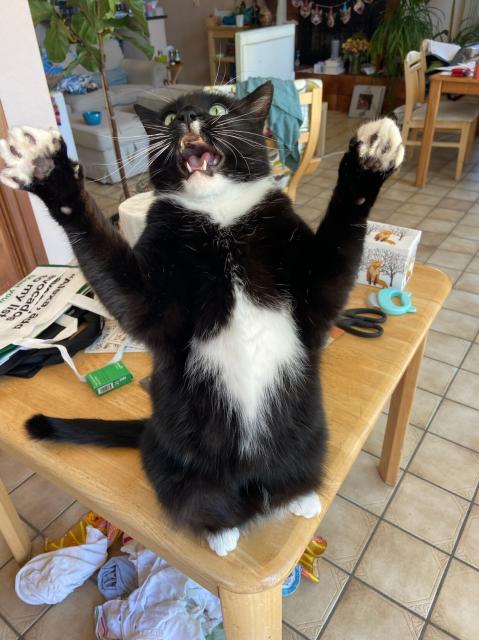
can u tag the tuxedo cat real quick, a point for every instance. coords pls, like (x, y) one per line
(232, 293)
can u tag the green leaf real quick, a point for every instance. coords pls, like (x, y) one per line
(88, 57)
(137, 8)
(57, 39)
(107, 9)
(142, 45)
(84, 30)
(88, 11)
(41, 10)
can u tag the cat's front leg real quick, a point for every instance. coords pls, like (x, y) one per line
(374, 153)
(36, 161)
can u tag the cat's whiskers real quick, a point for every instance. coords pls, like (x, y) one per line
(233, 147)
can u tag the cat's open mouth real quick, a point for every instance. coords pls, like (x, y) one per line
(197, 155)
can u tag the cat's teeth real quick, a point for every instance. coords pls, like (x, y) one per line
(204, 166)
(188, 167)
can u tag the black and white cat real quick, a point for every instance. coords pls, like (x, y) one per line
(232, 293)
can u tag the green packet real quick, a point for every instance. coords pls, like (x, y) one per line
(110, 377)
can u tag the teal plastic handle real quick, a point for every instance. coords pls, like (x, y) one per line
(385, 300)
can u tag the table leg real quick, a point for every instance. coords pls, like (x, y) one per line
(252, 616)
(428, 134)
(13, 529)
(398, 419)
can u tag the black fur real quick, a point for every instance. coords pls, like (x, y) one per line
(177, 285)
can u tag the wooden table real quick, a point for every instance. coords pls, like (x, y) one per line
(440, 83)
(358, 377)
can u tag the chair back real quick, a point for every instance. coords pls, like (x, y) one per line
(414, 79)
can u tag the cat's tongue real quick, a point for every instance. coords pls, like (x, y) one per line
(197, 163)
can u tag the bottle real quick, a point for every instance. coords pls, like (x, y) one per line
(177, 57)
(297, 59)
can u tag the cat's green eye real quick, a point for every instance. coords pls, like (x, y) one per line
(218, 110)
(169, 118)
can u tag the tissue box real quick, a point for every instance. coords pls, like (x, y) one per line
(388, 256)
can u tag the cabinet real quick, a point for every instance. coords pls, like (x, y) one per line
(217, 41)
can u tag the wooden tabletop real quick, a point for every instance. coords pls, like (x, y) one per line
(358, 376)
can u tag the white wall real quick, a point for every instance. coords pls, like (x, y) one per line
(446, 16)
(26, 100)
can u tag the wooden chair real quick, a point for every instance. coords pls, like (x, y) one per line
(456, 117)
(358, 377)
(311, 102)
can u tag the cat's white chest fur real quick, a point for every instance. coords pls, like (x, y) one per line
(248, 359)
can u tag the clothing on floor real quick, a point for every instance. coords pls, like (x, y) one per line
(50, 577)
(285, 116)
(166, 605)
(77, 534)
(117, 577)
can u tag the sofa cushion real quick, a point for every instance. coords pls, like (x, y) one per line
(121, 95)
(93, 101)
(114, 76)
(98, 137)
(124, 94)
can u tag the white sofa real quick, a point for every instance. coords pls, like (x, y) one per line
(143, 76)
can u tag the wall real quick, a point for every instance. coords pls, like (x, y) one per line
(26, 100)
(185, 30)
(449, 13)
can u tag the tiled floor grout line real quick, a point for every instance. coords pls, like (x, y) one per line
(9, 625)
(381, 519)
(448, 564)
(21, 484)
(301, 635)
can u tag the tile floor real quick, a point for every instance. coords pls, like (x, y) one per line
(401, 563)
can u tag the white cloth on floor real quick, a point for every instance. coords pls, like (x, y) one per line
(50, 577)
(167, 605)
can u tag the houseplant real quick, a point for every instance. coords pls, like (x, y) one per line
(405, 25)
(92, 24)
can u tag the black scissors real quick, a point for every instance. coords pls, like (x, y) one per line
(364, 322)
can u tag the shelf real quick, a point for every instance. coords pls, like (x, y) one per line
(224, 58)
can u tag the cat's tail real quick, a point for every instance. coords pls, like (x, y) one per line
(104, 433)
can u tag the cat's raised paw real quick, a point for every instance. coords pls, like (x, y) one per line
(224, 541)
(380, 146)
(28, 153)
(306, 506)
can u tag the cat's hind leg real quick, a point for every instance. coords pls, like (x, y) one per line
(224, 541)
(306, 506)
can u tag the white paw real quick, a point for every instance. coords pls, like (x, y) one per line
(380, 145)
(306, 506)
(224, 541)
(27, 153)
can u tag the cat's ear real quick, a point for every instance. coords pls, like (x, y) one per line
(258, 103)
(149, 119)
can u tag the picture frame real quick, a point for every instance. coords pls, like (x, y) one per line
(367, 101)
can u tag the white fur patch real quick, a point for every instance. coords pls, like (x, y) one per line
(222, 199)
(224, 541)
(22, 150)
(306, 506)
(249, 358)
(380, 145)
